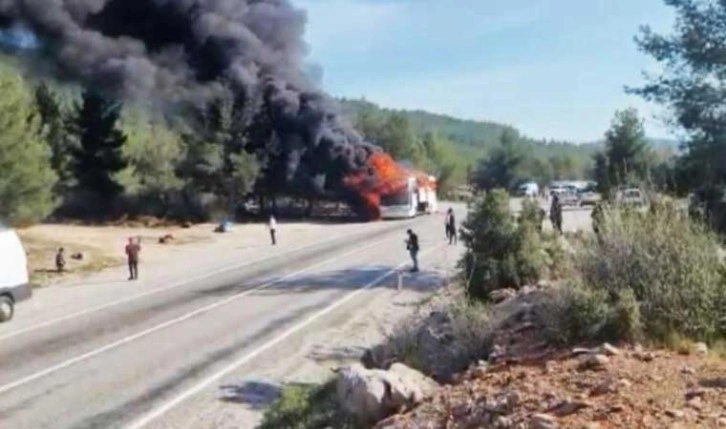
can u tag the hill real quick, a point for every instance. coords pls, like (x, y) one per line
(473, 140)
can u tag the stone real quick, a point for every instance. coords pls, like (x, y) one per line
(688, 370)
(501, 295)
(579, 351)
(609, 350)
(700, 348)
(503, 422)
(675, 414)
(611, 386)
(592, 425)
(594, 362)
(695, 392)
(645, 356)
(372, 395)
(568, 407)
(695, 403)
(543, 421)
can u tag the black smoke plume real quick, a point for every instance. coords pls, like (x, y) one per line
(188, 51)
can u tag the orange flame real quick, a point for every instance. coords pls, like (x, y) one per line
(389, 178)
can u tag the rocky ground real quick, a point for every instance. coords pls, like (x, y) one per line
(627, 388)
(527, 383)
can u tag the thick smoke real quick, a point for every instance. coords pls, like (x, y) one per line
(179, 51)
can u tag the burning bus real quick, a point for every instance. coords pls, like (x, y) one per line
(418, 196)
(391, 191)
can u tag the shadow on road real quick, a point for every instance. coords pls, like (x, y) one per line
(353, 279)
(257, 395)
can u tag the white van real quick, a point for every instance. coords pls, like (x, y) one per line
(14, 282)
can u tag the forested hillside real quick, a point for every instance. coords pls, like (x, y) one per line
(473, 141)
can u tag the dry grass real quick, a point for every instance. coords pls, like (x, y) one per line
(101, 246)
(41, 259)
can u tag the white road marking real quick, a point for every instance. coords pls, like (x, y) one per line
(70, 362)
(176, 285)
(155, 414)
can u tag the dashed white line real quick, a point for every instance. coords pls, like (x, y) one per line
(155, 414)
(75, 360)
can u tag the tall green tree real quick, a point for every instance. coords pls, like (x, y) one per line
(693, 87)
(99, 154)
(26, 177)
(153, 150)
(216, 157)
(504, 166)
(56, 132)
(627, 155)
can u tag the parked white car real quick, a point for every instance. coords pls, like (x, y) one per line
(530, 190)
(14, 281)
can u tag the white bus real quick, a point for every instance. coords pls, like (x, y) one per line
(411, 201)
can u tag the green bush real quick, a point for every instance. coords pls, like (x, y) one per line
(440, 345)
(670, 265)
(501, 251)
(306, 407)
(489, 234)
(577, 313)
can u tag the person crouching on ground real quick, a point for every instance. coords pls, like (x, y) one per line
(132, 256)
(413, 248)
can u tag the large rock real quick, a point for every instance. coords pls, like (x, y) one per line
(372, 394)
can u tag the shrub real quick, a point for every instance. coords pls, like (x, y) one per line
(576, 313)
(306, 407)
(440, 345)
(667, 263)
(500, 252)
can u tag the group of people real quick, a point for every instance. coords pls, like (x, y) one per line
(412, 244)
(132, 249)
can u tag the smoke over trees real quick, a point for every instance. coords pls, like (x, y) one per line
(187, 54)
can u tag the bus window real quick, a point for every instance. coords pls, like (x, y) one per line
(401, 199)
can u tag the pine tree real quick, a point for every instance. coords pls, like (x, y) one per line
(56, 133)
(26, 176)
(99, 155)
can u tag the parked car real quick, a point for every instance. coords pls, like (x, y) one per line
(530, 190)
(14, 282)
(567, 194)
(588, 197)
(631, 197)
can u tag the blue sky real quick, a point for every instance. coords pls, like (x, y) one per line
(552, 68)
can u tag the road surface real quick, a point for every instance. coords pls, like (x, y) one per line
(156, 353)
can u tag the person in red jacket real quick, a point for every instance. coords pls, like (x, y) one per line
(132, 256)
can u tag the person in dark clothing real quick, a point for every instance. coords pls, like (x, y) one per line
(60, 260)
(556, 213)
(413, 248)
(132, 256)
(451, 227)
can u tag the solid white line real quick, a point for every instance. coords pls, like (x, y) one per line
(155, 414)
(159, 290)
(130, 338)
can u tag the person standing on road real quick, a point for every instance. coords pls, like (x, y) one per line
(451, 227)
(413, 248)
(132, 256)
(273, 226)
(556, 213)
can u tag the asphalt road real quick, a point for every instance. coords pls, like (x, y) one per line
(118, 359)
